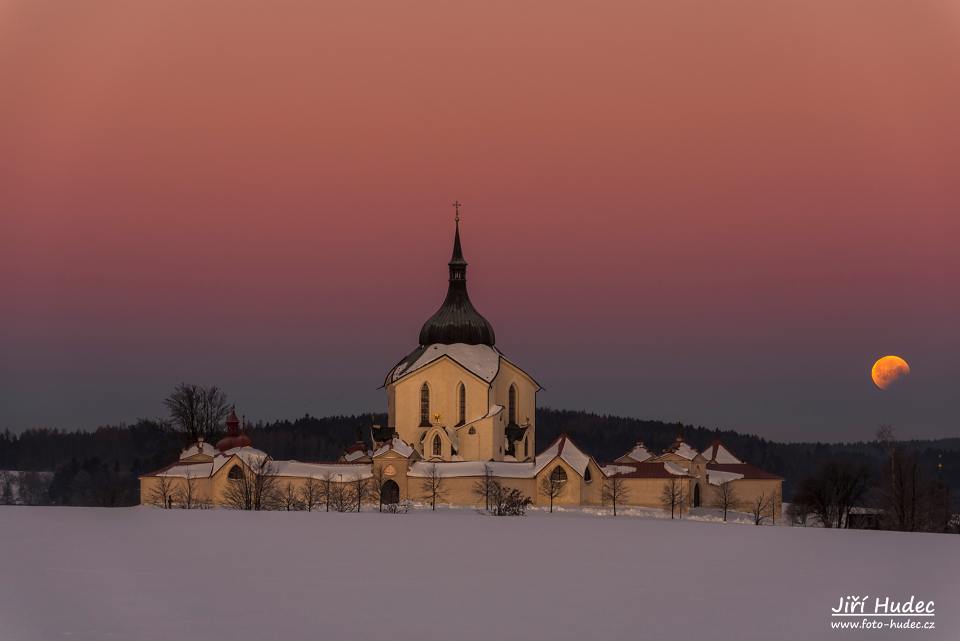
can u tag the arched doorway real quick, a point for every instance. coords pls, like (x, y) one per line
(389, 492)
(696, 495)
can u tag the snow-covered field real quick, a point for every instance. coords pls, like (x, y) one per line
(141, 574)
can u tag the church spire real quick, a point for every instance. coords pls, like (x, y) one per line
(457, 321)
(457, 260)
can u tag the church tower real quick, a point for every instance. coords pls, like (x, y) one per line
(456, 397)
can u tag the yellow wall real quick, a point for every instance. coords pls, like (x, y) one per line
(443, 377)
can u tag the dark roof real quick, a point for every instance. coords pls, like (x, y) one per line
(748, 471)
(457, 321)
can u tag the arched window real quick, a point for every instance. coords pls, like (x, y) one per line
(558, 475)
(587, 476)
(437, 445)
(696, 495)
(512, 405)
(235, 473)
(425, 406)
(472, 430)
(461, 404)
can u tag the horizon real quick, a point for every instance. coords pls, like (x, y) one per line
(260, 422)
(664, 215)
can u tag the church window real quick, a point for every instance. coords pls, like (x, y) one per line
(462, 404)
(425, 405)
(512, 405)
(558, 475)
(235, 473)
(472, 430)
(437, 445)
(587, 476)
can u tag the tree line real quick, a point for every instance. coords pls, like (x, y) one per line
(100, 467)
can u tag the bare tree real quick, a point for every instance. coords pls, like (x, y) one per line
(614, 491)
(6, 496)
(34, 488)
(912, 502)
(774, 502)
(507, 501)
(759, 506)
(433, 487)
(376, 486)
(311, 493)
(289, 498)
(727, 499)
(798, 514)
(164, 492)
(197, 411)
(484, 486)
(188, 495)
(341, 497)
(256, 487)
(360, 490)
(671, 497)
(326, 489)
(832, 491)
(552, 484)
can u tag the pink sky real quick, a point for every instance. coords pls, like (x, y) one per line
(718, 213)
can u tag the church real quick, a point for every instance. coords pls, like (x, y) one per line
(459, 411)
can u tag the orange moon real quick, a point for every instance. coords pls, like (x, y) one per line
(888, 370)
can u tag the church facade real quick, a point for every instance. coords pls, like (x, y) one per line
(460, 411)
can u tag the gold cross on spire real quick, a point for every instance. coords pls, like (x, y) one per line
(457, 205)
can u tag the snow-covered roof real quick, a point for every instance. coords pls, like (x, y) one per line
(188, 470)
(354, 455)
(683, 450)
(639, 453)
(481, 360)
(717, 477)
(336, 471)
(613, 470)
(566, 450)
(675, 469)
(718, 453)
(249, 455)
(397, 445)
(204, 448)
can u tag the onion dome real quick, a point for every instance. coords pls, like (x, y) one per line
(457, 321)
(234, 437)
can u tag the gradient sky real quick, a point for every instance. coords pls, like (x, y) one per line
(719, 213)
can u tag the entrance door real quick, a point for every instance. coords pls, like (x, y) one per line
(696, 495)
(390, 492)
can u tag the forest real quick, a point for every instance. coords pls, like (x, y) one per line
(101, 466)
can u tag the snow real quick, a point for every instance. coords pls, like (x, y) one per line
(723, 455)
(639, 453)
(188, 471)
(204, 448)
(249, 455)
(397, 445)
(716, 477)
(570, 453)
(481, 360)
(613, 470)
(673, 468)
(143, 574)
(686, 451)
